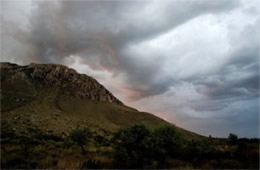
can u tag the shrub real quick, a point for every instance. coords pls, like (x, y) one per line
(132, 146)
(138, 147)
(168, 141)
(232, 138)
(81, 137)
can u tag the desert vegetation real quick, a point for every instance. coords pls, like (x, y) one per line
(133, 147)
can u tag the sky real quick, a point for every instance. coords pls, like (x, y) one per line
(194, 63)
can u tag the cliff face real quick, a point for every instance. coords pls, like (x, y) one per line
(59, 77)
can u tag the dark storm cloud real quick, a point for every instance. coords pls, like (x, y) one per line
(236, 83)
(241, 117)
(172, 14)
(238, 79)
(246, 52)
(98, 32)
(145, 76)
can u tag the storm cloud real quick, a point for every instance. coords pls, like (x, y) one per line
(194, 63)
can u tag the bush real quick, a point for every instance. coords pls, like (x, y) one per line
(168, 141)
(132, 146)
(101, 140)
(232, 138)
(81, 137)
(138, 147)
(46, 137)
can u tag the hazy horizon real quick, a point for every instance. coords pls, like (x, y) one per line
(192, 63)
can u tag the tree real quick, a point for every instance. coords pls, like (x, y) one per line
(139, 147)
(232, 138)
(133, 146)
(81, 137)
(168, 140)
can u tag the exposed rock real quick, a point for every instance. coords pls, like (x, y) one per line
(61, 78)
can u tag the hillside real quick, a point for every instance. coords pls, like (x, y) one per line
(44, 105)
(56, 99)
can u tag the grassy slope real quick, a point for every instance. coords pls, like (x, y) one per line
(61, 112)
(31, 105)
(51, 111)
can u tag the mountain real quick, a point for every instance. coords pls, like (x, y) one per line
(55, 118)
(57, 77)
(56, 99)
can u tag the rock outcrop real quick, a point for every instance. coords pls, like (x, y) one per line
(61, 78)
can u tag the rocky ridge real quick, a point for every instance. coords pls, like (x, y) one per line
(61, 78)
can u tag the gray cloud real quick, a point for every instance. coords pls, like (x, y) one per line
(240, 76)
(99, 31)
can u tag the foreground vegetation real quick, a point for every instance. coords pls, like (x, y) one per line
(134, 147)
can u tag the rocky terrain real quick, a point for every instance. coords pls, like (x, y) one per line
(62, 78)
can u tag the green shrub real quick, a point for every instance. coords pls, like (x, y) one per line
(232, 138)
(168, 141)
(132, 146)
(138, 147)
(81, 137)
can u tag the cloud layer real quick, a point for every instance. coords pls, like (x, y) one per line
(194, 63)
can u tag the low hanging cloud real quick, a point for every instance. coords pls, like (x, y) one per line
(191, 62)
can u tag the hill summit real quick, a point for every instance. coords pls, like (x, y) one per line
(62, 78)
